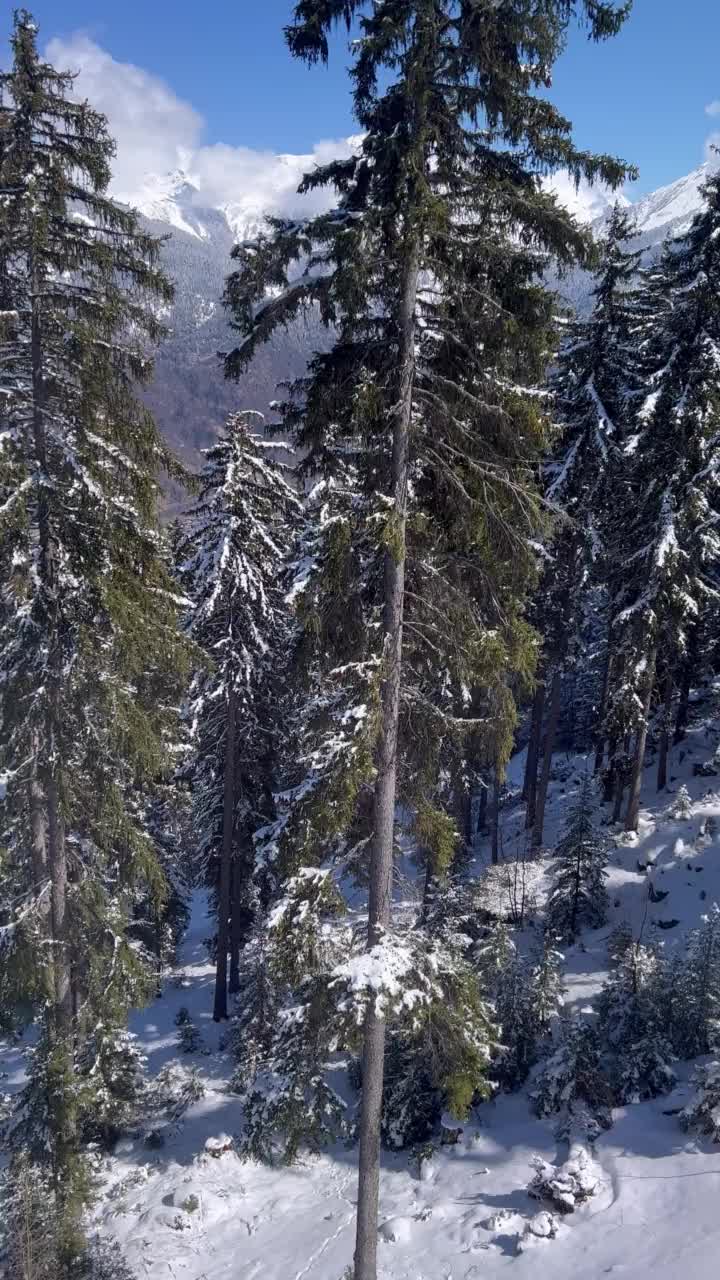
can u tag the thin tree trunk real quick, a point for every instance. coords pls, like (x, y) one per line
(385, 787)
(38, 823)
(236, 923)
(599, 735)
(633, 809)
(665, 734)
(619, 792)
(483, 805)
(221, 962)
(550, 735)
(495, 819)
(688, 669)
(610, 777)
(45, 791)
(467, 815)
(533, 754)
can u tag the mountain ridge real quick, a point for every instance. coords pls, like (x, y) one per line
(189, 395)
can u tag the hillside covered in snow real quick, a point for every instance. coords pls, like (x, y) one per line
(189, 395)
(183, 1204)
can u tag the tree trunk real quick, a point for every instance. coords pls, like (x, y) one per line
(619, 788)
(384, 811)
(483, 805)
(38, 823)
(47, 827)
(610, 776)
(550, 735)
(533, 754)
(223, 916)
(467, 817)
(688, 670)
(665, 734)
(599, 735)
(236, 923)
(495, 819)
(633, 809)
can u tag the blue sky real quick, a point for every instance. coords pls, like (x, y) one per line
(641, 96)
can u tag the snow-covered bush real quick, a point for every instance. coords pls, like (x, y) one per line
(572, 1084)
(112, 1083)
(632, 1022)
(526, 994)
(174, 1089)
(289, 1025)
(189, 1038)
(692, 1012)
(702, 1114)
(566, 1186)
(544, 1226)
(681, 807)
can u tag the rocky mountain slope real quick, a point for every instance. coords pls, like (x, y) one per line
(189, 394)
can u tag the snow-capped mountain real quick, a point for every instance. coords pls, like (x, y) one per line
(189, 394)
(670, 210)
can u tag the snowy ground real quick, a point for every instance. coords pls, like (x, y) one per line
(186, 1214)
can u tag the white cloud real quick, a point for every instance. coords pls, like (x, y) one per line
(588, 200)
(713, 108)
(157, 132)
(154, 129)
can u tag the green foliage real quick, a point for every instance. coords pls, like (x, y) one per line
(632, 1008)
(578, 897)
(572, 1084)
(93, 663)
(288, 1026)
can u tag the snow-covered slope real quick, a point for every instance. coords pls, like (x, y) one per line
(183, 1205)
(672, 208)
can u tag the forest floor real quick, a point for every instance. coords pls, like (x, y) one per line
(189, 1209)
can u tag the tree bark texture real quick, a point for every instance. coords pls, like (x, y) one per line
(495, 819)
(533, 754)
(550, 735)
(385, 788)
(668, 690)
(633, 809)
(228, 827)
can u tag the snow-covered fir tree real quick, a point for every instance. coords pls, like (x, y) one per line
(526, 992)
(669, 583)
(231, 555)
(90, 655)
(578, 898)
(694, 990)
(429, 273)
(572, 1084)
(596, 385)
(702, 1113)
(633, 1021)
(289, 1025)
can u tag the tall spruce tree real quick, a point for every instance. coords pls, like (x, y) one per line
(89, 648)
(428, 273)
(667, 588)
(231, 566)
(596, 387)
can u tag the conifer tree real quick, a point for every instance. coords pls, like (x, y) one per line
(428, 272)
(694, 1013)
(668, 585)
(89, 650)
(596, 387)
(232, 555)
(578, 897)
(632, 1008)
